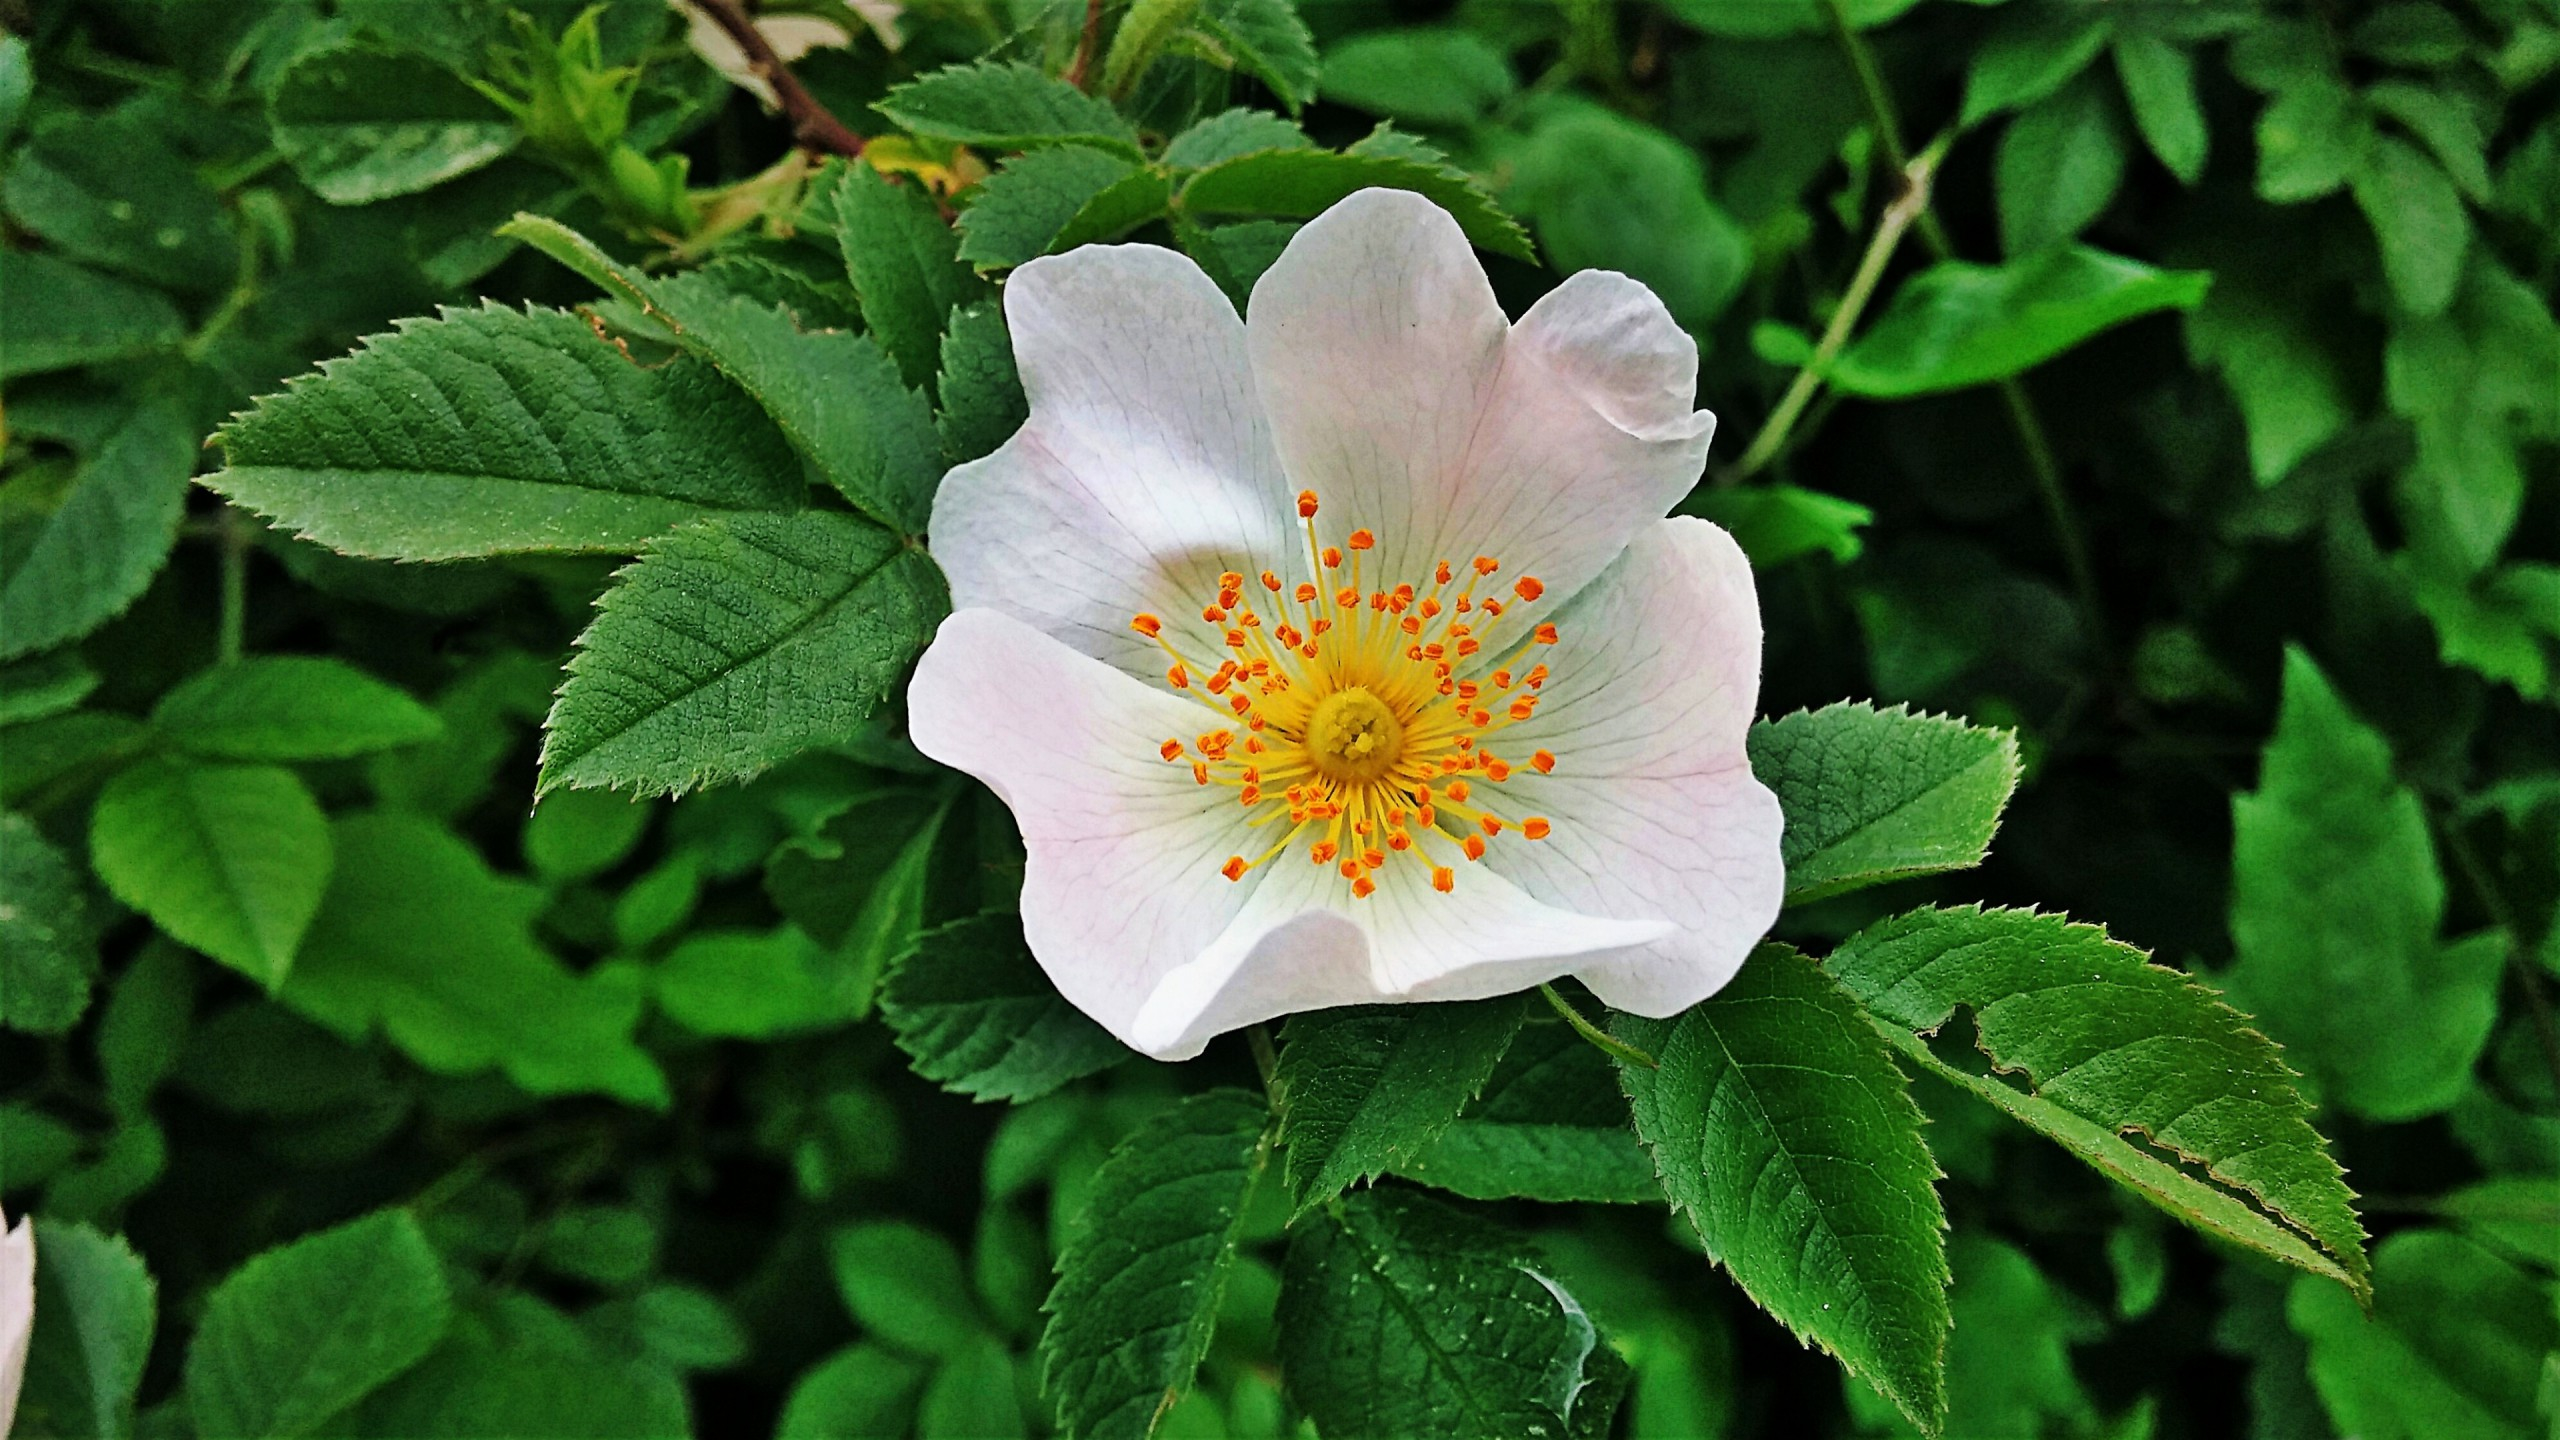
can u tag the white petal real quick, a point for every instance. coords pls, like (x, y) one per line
(1401, 396)
(1303, 942)
(793, 36)
(1120, 882)
(17, 1311)
(1145, 469)
(1654, 807)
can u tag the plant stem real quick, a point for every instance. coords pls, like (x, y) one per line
(812, 124)
(232, 636)
(1087, 43)
(1265, 1059)
(1907, 207)
(2538, 1009)
(1582, 1026)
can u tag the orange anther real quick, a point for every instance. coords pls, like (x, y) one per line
(1199, 773)
(1146, 625)
(1306, 504)
(1362, 540)
(1544, 761)
(1398, 840)
(1521, 708)
(1535, 827)
(1178, 677)
(1458, 791)
(1305, 592)
(1536, 677)
(1349, 869)
(1270, 582)
(1230, 580)
(1480, 718)
(1363, 888)
(1469, 646)
(1493, 607)
(1546, 634)
(1492, 826)
(1234, 868)
(1332, 558)
(1373, 857)
(1214, 614)
(1347, 598)
(1443, 879)
(1218, 683)
(1486, 564)
(1528, 587)
(1171, 749)
(1426, 817)
(1442, 573)
(1235, 638)
(1411, 625)
(1496, 771)
(1321, 852)
(1240, 704)
(1430, 608)
(1474, 847)
(1249, 795)
(1319, 627)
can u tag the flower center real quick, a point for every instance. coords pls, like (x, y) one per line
(1353, 738)
(1357, 719)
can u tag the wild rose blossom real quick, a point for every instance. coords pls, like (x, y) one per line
(1343, 654)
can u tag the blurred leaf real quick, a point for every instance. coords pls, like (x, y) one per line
(1874, 795)
(1777, 523)
(44, 685)
(740, 982)
(2009, 1360)
(58, 315)
(1783, 1131)
(982, 402)
(229, 859)
(1139, 1285)
(2313, 130)
(2160, 87)
(2267, 344)
(418, 938)
(512, 1365)
(2419, 220)
(1550, 1125)
(1301, 184)
(93, 555)
(2033, 52)
(1368, 1088)
(1265, 39)
(2453, 1350)
(675, 1325)
(906, 1285)
(290, 707)
(359, 123)
(1958, 324)
(862, 1392)
(143, 1030)
(1004, 107)
(1425, 75)
(297, 1335)
(110, 191)
(2445, 125)
(84, 1364)
(580, 834)
(2336, 900)
(973, 1397)
(608, 1245)
(837, 396)
(493, 430)
(1609, 193)
(2131, 1049)
(906, 268)
(1403, 1316)
(2474, 382)
(48, 933)
(2058, 166)
(975, 1014)
(733, 644)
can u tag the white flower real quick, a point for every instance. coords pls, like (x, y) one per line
(1343, 653)
(17, 1311)
(790, 35)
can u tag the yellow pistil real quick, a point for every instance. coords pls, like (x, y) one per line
(1359, 715)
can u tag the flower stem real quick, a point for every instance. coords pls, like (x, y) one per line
(1265, 1059)
(812, 124)
(1087, 43)
(1616, 1048)
(233, 631)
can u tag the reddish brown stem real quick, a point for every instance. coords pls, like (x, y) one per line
(812, 124)
(1086, 44)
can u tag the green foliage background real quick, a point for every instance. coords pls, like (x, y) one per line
(448, 990)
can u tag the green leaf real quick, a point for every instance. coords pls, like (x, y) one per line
(975, 1014)
(512, 1365)
(2160, 88)
(2009, 1362)
(1004, 107)
(974, 1396)
(1403, 1316)
(1267, 40)
(1140, 1282)
(58, 315)
(1874, 795)
(837, 396)
(48, 934)
(290, 707)
(2446, 126)
(860, 1391)
(2336, 899)
(2058, 166)
(906, 1285)
(2311, 134)
(1056, 199)
(418, 938)
(579, 834)
(2266, 343)
(2030, 56)
(78, 567)
(906, 269)
(2452, 1351)
(1775, 524)
(1231, 133)
(1610, 193)
(1782, 1129)
(1301, 184)
(1424, 75)
(732, 644)
(1368, 1088)
(112, 191)
(758, 986)
(297, 1335)
(228, 859)
(84, 1363)
(982, 401)
(1958, 324)
(44, 685)
(2131, 1048)
(143, 1031)
(360, 124)
(2419, 220)
(489, 431)
(1551, 1125)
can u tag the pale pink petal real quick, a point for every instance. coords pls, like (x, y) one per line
(1145, 470)
(17, 1312)
(1120, 882)
(1304, 942)
(1654, 808)
(1398, 392)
